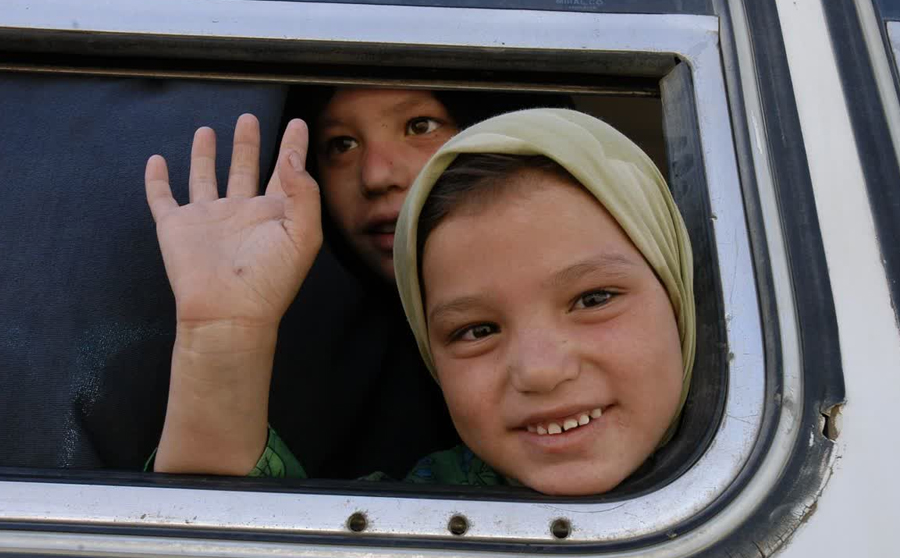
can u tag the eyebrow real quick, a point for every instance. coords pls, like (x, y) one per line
(455, 306)
(612, 265)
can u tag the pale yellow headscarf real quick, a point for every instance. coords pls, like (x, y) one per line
(609, 165)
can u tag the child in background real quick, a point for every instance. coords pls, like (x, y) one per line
(547, 276)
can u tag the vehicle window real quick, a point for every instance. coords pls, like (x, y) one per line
(108, 327)
(105, 410)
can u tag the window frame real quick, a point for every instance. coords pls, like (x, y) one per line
(694, 7)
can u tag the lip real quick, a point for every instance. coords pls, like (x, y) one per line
(383, 241)
(377, 230)
(564, 442)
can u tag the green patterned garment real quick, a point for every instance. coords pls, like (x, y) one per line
(457, 466)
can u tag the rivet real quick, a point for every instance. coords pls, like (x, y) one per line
(458, 525)
(561, 528)
(357, 522)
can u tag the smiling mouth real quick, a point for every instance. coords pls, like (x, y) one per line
(555, 427)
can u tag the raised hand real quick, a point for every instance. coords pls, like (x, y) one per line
(239, 259)
(235, 264)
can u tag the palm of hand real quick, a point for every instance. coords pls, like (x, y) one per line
(231, 259)
(241, 258)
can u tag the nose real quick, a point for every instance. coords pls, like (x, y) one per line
(539, 362)
(384, 168)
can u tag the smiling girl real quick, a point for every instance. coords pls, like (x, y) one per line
(547, 275)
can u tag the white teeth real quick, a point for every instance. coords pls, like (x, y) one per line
(567, 424)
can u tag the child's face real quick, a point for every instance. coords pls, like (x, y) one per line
(541, 311)
(371, 145)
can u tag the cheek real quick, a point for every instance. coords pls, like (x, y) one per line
(640, 352)
(668, 345)
(342, 204)
(471, 391)
(651, 377)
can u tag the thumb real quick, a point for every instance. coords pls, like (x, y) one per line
(302, 202)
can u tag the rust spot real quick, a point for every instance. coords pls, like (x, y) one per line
(357, 522)
(458, 525)
(832, 422)
(561, 528)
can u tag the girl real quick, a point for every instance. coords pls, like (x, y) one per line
(549, 286)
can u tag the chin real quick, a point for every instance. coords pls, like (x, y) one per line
(381, 265)
(386, 271)
(556, 484)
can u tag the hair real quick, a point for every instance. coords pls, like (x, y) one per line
(476, 179)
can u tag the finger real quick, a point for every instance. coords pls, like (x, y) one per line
(159, 194)
(302, 208)
(203, 166)
(296, 138)
(243, 177)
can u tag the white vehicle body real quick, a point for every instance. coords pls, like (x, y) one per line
(853, 515)
(751, 493)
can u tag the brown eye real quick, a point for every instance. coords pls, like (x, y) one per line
(422, 125)
(593, 299)
(476, 332)
(339, 145)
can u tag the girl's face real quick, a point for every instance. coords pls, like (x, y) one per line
(555, 345)
(371, 145)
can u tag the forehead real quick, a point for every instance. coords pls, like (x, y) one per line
(348, 106)
(522, 232)
(529, 200)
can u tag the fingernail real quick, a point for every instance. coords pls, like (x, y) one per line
(296, 161)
